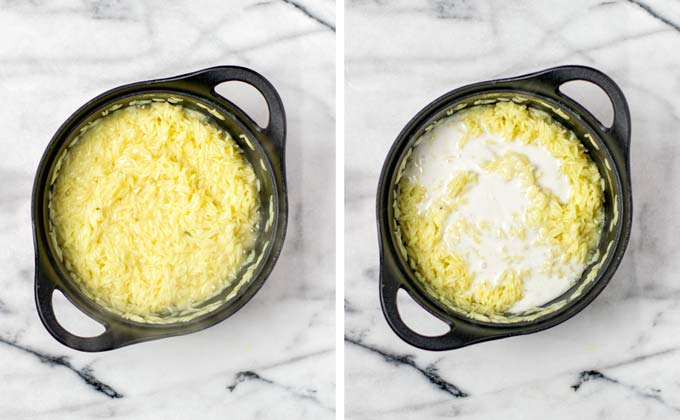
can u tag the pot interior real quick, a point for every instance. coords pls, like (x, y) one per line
(598, 152)
(249, 272)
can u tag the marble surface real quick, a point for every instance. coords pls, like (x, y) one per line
(273, 359)
(620, 357)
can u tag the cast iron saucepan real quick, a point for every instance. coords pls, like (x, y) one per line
(264, 147)
(608, 147)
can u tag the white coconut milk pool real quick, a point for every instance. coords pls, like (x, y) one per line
(496, 207)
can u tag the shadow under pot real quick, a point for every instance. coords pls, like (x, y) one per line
(263, 148)
(608, 148)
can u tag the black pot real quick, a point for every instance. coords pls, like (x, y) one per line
(263, 147)
(608, 148)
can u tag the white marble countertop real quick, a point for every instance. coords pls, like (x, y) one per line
(275, 357)
(620, 357)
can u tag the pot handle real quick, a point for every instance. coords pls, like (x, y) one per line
(108, 340)
(458, 335)
(211, 77)
(621, 127)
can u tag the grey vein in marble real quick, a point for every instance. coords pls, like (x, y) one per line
(642, 358)
(430, 372)
(249, 375)
(589, 375)
(310, 14)
(655, 14)
(85, 373)
(652, 393)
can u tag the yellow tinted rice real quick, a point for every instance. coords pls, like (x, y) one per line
(155, 210)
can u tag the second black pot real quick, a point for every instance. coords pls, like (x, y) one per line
(608, 147)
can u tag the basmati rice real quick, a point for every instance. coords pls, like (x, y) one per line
(155, 210)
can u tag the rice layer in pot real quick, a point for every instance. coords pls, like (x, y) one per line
(499, 209)
(154, 210)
